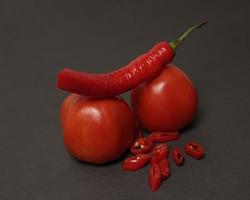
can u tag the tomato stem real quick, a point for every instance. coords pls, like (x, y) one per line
(174, 44)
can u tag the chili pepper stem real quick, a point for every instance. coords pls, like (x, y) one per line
(174, 44)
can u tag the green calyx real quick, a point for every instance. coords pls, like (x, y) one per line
(174, 44)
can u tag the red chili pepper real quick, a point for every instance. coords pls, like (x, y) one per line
(159, 152)
(177, 156)
(164, 136)
(194, 150)
(142, 68)
(136, 162)
(142, 145)
(154, 178)
(165, 168)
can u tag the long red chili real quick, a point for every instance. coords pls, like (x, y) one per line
(177, 156)
(164, 136)
(154, 178)
(142, 145)
(135, 162)
(194, 150)
(126, 78)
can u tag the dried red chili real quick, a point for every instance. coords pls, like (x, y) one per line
(142, 145)
(164, 136)
(154, 178)
(177, 156)
(194, 150)
(159, 152)
(135, 162)
(165, 168)
(126, 78)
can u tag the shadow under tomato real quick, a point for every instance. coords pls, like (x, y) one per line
(194, 123)
(119, 160)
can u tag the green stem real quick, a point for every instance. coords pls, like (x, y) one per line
(174, 44)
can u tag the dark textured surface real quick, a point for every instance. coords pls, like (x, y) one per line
(39, 38)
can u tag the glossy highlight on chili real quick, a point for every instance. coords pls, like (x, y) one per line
(136, 162)
(142, 145)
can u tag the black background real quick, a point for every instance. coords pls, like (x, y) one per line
(39, 38)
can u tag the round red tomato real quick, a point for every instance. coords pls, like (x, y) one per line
(168, 102)
(97, 130)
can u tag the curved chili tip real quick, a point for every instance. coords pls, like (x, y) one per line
(174, 44)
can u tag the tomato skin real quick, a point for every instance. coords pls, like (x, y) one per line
(97, 130)
(168, 102)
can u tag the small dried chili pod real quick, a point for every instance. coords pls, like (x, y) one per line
(136, 162)
(154, 178)
(165, 168)
(164, 136)
(142, 145)
(194, 150)
(159, 152)
(177, 156)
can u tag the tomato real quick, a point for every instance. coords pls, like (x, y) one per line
(168, 102)
(97, 130)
